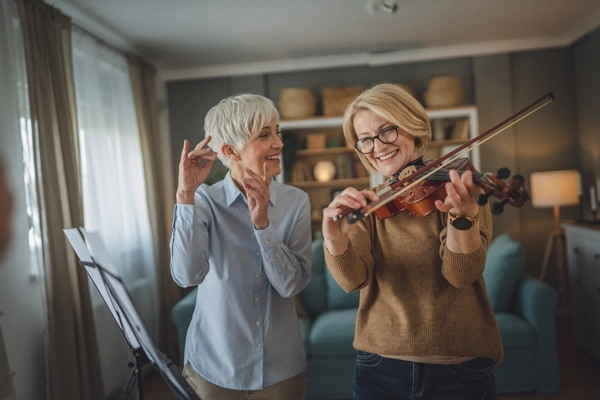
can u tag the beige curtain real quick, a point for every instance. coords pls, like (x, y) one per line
(143, 80)
(74, 369)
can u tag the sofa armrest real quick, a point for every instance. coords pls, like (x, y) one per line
(536, 302)
(182, 316)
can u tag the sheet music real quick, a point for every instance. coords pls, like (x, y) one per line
(96, 245)
(90, 248)
(85, 255)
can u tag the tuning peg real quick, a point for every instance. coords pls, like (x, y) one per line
(483, 198)
(519, 178)
(498, 207)
(503, 173)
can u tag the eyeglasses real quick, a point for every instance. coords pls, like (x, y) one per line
(387, 135)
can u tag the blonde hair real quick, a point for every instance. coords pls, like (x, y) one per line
(235, 119)
(395, 105)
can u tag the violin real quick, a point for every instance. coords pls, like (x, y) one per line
(417, 193)
(420, 200)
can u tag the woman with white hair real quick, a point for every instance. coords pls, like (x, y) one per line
(245, 242)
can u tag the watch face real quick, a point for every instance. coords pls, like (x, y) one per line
(462, 224)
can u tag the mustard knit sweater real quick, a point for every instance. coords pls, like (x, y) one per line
(417, 298)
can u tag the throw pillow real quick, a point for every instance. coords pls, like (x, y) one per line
(504, 266)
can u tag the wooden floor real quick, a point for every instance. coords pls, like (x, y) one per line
(579, 377)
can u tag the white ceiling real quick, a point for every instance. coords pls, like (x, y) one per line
(201, 38)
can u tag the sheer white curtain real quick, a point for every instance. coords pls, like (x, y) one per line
(114, 192)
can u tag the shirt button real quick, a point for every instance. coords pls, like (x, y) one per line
(178, 219)
(257, 322)
(274, 259)
(259, 345)
(255, 299)
(268, 241)
(256, 276)
(258, 253)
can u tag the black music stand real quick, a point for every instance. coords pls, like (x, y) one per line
(93, 256)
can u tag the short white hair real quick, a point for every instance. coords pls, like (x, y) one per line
(235, 119)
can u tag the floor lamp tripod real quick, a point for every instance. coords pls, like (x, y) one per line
(556, 240)
(556, 189)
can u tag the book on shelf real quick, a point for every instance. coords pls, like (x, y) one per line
(349, 167)
(361, 171)
(460, 130)
(301, 172)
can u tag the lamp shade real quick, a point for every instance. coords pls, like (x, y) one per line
(324, 171)
(555, 188)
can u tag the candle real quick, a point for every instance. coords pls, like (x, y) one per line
(593, 197)
(579, 185)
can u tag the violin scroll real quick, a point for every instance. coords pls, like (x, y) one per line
(512, 192)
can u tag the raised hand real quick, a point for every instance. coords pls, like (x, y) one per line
(258, 195)
(192, 171)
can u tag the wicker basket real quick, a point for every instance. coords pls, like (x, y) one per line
(336, 99)
(316, 141)
(297, 103)
(443, 91)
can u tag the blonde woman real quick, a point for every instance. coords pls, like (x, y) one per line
(425, 328)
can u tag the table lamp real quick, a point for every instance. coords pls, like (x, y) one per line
(556, 189)
(324, 171)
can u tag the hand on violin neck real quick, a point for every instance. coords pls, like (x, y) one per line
(336, 228)
(461, 195)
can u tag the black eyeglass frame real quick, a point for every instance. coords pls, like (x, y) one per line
(372, 139)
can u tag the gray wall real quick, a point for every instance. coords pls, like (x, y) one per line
(546, 140)
(562, 135)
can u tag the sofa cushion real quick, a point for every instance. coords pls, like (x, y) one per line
(337, 298)
(516, 332)
(313, 296)
(332, 334)
(503, 268)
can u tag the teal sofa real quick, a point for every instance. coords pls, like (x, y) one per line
(525, 310)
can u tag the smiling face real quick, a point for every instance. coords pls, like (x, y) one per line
(386, 158)
(263, 146)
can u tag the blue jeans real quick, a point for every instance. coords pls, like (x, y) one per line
(380, 378)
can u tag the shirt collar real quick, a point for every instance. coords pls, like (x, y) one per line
(232, 192)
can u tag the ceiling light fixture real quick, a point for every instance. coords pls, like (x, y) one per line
(388, 6)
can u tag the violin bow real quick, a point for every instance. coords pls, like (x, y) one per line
(477, 141)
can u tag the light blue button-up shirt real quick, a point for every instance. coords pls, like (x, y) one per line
(244, 332)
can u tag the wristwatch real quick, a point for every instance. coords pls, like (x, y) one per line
(462, 222)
